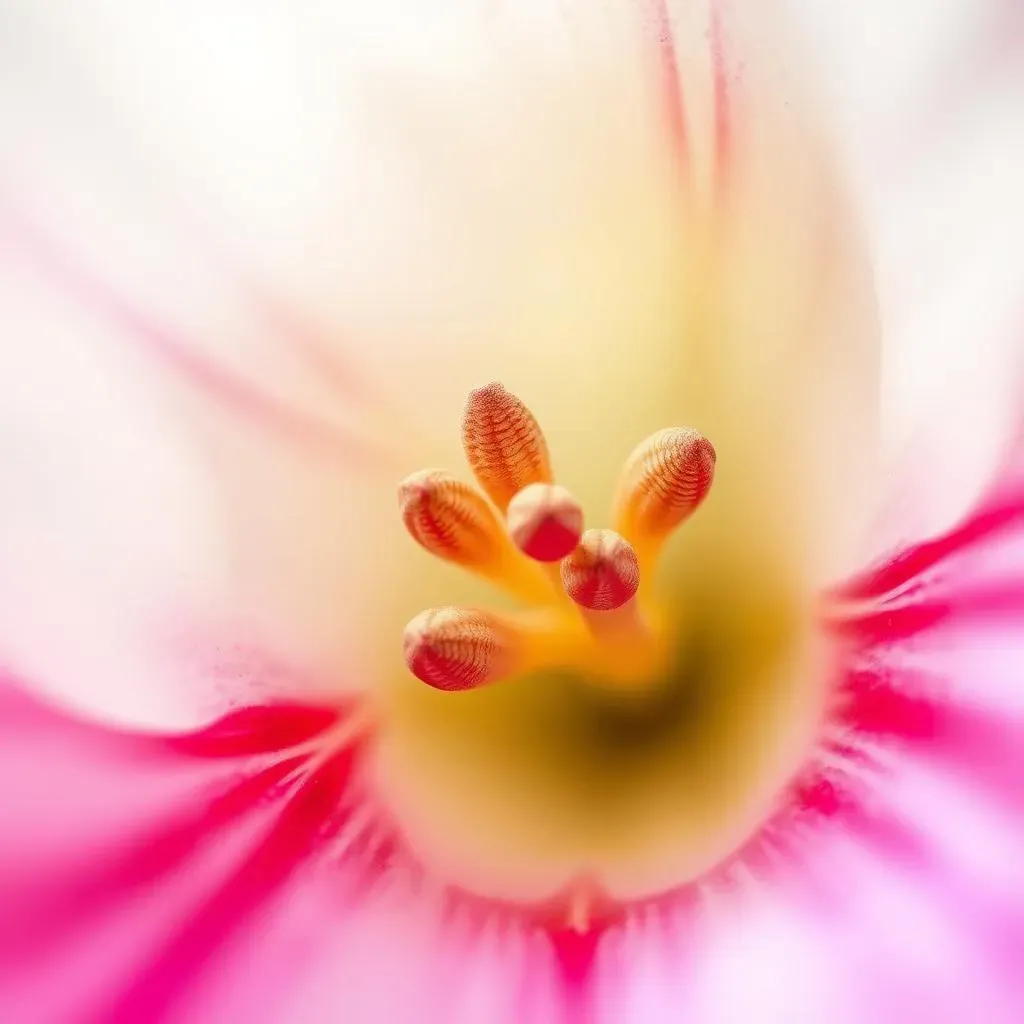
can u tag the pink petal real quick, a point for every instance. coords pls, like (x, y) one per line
(237, 872)
(173, 878)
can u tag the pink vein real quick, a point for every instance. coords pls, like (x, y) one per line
(911, 563)
(102, 299)
(306, 338)
(672, 88)
(722, 99)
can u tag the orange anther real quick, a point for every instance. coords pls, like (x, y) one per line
(460, 649)
(504, 444)
(664, 481)
(603, 573)
(451, 519)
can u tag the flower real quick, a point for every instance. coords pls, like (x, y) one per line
(633, 218)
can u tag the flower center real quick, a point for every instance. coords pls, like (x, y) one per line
(588, 610)
(629, 704)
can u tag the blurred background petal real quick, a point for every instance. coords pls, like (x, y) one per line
(927, 100)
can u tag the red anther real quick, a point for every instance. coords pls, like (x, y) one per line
(458, 648)
(545, 522)
(603, 573)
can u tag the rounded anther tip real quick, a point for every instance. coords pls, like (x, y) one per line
(686, 446)
(704, 454)
(416, 636)
(665, 480)
(488, 400)
(417, 487)
(485, 395)
(452, 648)
(706, 449)
(603, 573)
(545, 522)
(503, 443)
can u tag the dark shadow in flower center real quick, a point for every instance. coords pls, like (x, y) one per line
(563, 762)
(621, 723)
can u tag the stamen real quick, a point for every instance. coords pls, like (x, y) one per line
(602, 576)
(663, 482)
(461, 649)
(603, 573)
(504, 444)
(545, 522)
(451, 520)
(536, 531)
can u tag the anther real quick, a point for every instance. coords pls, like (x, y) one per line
(602, 576)
(664, 480)
(545, 522)
(503, 443)
(451, 519)
(603, 573)
(460, 649)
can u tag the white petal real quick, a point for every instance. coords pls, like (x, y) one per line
(484, 192)
(97, 569)
(929, 95)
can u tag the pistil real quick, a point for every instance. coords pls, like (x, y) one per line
(545, 523)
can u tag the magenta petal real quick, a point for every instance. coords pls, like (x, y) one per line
(921, 776)
(135, 868)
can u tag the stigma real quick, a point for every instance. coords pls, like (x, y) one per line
(585, 604)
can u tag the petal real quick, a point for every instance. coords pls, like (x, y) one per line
(789, 962)
(198, 877)
(477, 194)
(920, 780)
(216, 434)
(229, 831)
(928, 99)
(235, 872)
(109, 529)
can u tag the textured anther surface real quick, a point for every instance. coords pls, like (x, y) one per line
(450, 519)
(456, 648)
(545, 522)
(667, 476)
(603, 573)
(504, 444)
(526, 536)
